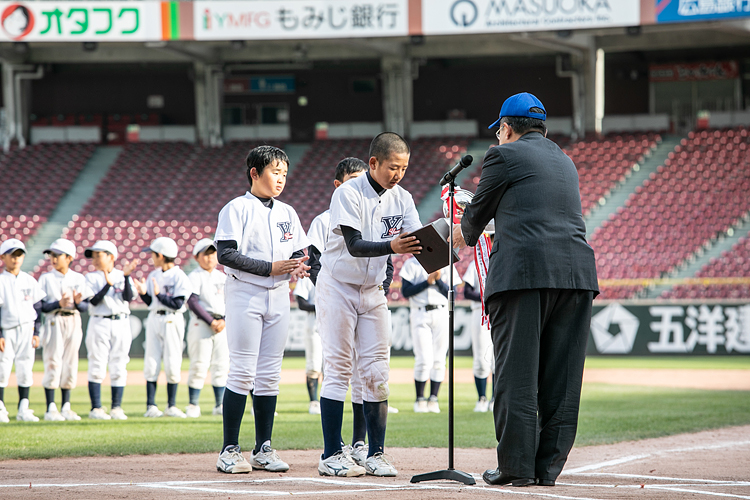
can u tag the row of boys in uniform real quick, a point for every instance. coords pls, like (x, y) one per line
(62, 294)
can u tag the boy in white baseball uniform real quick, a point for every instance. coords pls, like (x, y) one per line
(66, 292)
(20, 319)
(347, 169)
(260, 243)
(164, 292)
(108, 335)
(481, 339)
(370, 219)
(207, 340)
(428, 319)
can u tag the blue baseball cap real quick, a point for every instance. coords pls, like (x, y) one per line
(520, 105)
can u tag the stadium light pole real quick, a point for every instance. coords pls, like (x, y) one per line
(450, 473)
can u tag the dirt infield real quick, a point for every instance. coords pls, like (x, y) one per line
(703, 465)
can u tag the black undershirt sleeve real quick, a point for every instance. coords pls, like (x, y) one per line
(146, 298)
(305, 305)
(298, 254)
(443, 287)
(96, 299)
(388, 275)
(127, 291)
(361, 248)
(83, 306)
(229, 256)
(171, 302)
(50, 306)
(314, 263)
(471, 294)
(195, 306)
(38, 320)
(408, 289)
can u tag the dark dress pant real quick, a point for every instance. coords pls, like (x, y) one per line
(539, 338)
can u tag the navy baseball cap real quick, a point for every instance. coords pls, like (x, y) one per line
(520, 105)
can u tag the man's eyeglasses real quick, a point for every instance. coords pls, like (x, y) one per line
(497, 134)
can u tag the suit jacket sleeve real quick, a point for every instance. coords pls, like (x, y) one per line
(492, 185)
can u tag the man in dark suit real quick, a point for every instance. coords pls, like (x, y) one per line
(540, 285)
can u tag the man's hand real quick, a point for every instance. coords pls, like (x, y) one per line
(217, 325)
(458, 237)
(35, 341)
(433, 277)
(406, 244)
(140, 286)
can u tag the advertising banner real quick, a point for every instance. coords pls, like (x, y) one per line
(443, 17)
(298, 19)
(694, 72)
(80, 21)
(680, 11)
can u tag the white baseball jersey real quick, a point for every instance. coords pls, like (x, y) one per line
(18, 294)
(172, 282)
(471, 278)
(318, 232)
(209, 287)
(56, 284)
(377, 217)
(277, 239)
(413, 272)
(113, 303)
(305, 289)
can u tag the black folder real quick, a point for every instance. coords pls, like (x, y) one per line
(433, 238)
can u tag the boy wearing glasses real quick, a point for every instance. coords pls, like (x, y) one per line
(67, 292)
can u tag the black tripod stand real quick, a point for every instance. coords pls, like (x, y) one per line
(450, 473)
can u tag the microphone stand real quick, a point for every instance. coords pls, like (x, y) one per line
(450, 473)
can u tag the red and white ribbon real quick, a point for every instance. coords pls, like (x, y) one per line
(482, 263)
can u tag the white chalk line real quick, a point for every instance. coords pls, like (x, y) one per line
(664, 478)
(632, 458)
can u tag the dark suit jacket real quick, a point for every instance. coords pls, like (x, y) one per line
(530, 187)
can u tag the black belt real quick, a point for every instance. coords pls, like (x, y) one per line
(432, 307)
(64, 313)
(217, 316)
(162, 312)
(114, 316)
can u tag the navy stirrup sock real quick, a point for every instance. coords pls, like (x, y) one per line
(434, 388)
(376, 416)
(49, 395)
(234, 409)
(150, 394)
(117, 396)
(312, 388)
(194, 395)
(264, 408)
(171, 394)
(65, 396)
(95, 393)
(481, 384)
(218, 394)
(331, 417)
(419, 386)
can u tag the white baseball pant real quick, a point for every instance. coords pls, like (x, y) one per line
(353, 318)
(108, 342)
(481, 346)
(313, 350)
(62, 339)
(207, 351)
(257, 326)
(429, 336)
(164, 336)
(18, 348)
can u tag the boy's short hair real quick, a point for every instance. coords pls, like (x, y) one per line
(349, 166)
(386, 143)
(263, 156)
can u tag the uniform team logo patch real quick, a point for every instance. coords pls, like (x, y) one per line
(286, 233)
(392, 225)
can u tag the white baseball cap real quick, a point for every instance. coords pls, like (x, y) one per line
(203, 245)
(11, 245)
(101, 246)
(165, 246)
(62, 246)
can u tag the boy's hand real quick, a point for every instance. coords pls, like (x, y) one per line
(281, 267)
(406, 244)
(140, 286)
(129, 267)
(2, 344)
(217, 325)
(156, 287)
(77, 297)
(433, 277)
(66, 301)
(35, 341)
(301, 270)
(106, 277)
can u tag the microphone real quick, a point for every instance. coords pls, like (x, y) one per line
(453, 173)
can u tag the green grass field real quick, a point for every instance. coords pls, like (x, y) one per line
(608, 414)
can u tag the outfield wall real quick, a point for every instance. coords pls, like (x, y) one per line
(643, 328)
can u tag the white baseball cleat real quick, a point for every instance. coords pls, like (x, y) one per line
(52, 414)
(378, 465)
(339, 464)
(68, 414)
(432, 405)
(314, 408)
(99, 414)
(358, 452)
(420, 406)
(392, 409)
(482, 405)
(231, 461)
(24, 413)
(268, 459)
(117, 413)
(218, 410)
(3, 414)
(173, 411)
(153, 411)
(192, 411)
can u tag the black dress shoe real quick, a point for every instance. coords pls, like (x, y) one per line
(545, 482)
(499, 478)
